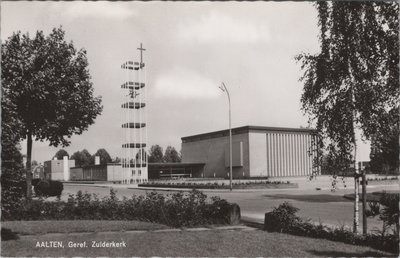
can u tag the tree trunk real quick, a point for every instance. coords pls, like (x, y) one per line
(356, 201)
(28, 167)
(364, 204)
(356, 176)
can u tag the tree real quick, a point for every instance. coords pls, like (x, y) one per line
(60, 154)
(104, 156)
(353, 81)
(156, 154)
(171, 155)
(48, 82)
(385, 147)
(116, 160)
(82, 158)
(12, 168)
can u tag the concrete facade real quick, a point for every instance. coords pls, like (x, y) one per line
(211, 152)
(101, 172)
(114, 172)
(265, 152)
(55, 169)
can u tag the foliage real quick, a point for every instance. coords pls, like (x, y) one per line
(104, 156)
(284, 219)
(171, 155)
(116, 160)
(47, 83)
(60, 154)
(177, 209)
(82, 158)
(48, 188)
(388, 210)
(12, 169)
(355, 76)
(156, 154)
(385, 146)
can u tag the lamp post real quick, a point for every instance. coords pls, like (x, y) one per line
(224, 89)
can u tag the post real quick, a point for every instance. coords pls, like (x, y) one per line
(230, 148)
(224, 89)
(364, 204)
(66, 168)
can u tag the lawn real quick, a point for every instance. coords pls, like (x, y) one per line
(69, 226)
(210, 243)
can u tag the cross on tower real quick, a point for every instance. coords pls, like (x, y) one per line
(141, 53)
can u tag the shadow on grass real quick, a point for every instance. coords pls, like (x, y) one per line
(348, 254)
(371, 197)
(310, 198)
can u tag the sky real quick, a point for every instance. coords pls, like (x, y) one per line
(191, 47)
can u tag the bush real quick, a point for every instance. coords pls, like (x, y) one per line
(284, 219)
(176, 210)
(48, 188)
(281, 219)
(35, 181)
(388, 210)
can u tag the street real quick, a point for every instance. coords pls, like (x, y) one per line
(325, 206)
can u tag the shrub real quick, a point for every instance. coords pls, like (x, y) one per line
(388, 210)
(35, 181)
(177, 209)
(284, 219)
(48, 188)
(281, 219)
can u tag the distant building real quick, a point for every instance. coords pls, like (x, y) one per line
(38, 172)
(256, 152)
(58, 169)
(100, 172)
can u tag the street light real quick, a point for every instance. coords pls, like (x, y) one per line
(224, 89)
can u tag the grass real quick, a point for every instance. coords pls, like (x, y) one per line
(204, 243)
(69, 226)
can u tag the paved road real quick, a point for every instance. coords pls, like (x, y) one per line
(319, 205)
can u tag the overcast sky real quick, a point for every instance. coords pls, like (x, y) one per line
(191, 48)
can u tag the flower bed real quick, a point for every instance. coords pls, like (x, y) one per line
(215, 185)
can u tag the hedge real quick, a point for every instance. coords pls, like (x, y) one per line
(176, 210)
